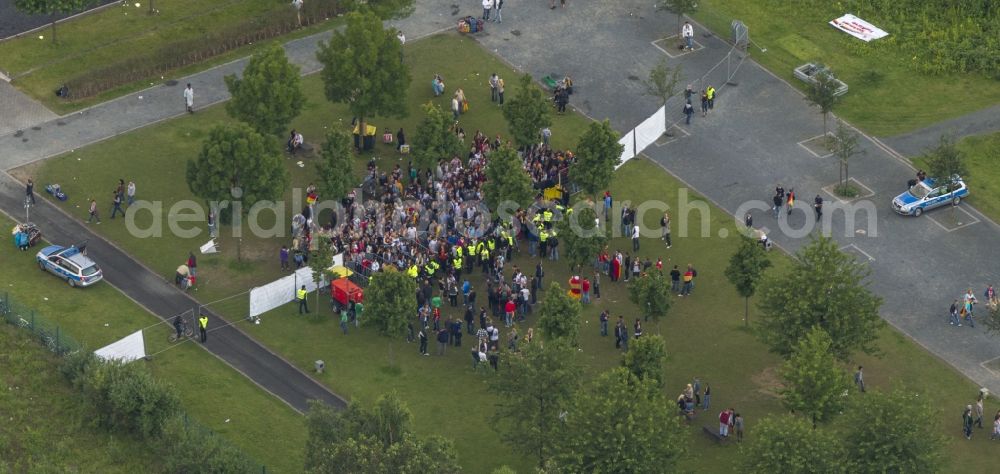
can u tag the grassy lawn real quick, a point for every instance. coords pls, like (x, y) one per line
(39, 67)
(705, 333)
(982, 153)
(44, 428)
(886, 97)
(211, 392)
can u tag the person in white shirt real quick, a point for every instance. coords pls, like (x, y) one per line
(401, 37)
(130, 192)
(687, 31)
(635, 238)
(189, 98)
(487, 6)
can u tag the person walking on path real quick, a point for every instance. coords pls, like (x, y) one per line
(116, 205)
(497, 7)
(29, 192)
(665, 228)
(790, 200)
(203, 327)
(967, 422)
(93, 212)
(704, 103)
(859, 379)
(818, 206)
(710, 93)
(979, 411)
(778, 202)
(687, 31)
(953, 314)
(189, 98)
(130, 193)
(487, 8)
(688, 112)
(303, 302)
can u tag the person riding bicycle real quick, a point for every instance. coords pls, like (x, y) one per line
(179, 325)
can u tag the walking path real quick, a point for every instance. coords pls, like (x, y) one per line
(739, 153)
(916, 142)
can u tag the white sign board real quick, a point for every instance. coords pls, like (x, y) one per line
(127, 349)
(858, 28)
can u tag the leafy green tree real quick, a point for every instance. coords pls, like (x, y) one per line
(651, 293)
(646, 358)
(945, 160)
(389, 302)
(597, 155)
(377, 440)
(827, 288)
(681, 8)
(788, 444)
(745, 269)
(385, 9)
(662, 84)
(52, 8)
(845, 147)
(823, 94)
(124, 397)
(581, 236)
(435, 139)
(621, 423)
(335, 175)
(320, 263)
(187, 448)
(534, 387)
(506, 180)
(269, 95)
(362, 68)
(527, 113)
(236, 162)
(898, 431)
(814, 384)
(559, 316)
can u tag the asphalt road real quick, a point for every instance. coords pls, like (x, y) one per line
(160, 297)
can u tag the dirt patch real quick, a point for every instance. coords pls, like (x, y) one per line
(24, 172)
(768, 382)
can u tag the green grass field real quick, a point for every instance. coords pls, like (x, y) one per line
(982, 153)
(886, 97)
(211, 391)
(39, 67)
(45, 428)
(705, 333)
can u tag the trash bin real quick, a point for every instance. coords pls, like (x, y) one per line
(320, 365)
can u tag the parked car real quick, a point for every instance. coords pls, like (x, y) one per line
(70, 264)
(928, 194)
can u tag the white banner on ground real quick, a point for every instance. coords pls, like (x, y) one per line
(858, 28)
(650, 130)
(626, 141)
(126, 349)
(282, 291)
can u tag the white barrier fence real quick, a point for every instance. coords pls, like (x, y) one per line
(282, 291)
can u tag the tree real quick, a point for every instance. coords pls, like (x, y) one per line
(680, 7)
(597, 155)
(320, 263)
(361, 68)
(845, 147)
(185, 448)
(898, 431)
(992, 319)
(787, 444)
(814, 384)
(581, 236)
(52, 8)
(238, 163)
(825, 287)
(945, 161)
(534, 388)
(645, 358)
(527, 113)
(385, 9)
(389, 302)
(823, 94)
(377, 439)
(559, 316)
(662, 84)
(745, 269)
(335, 175)
(621, 423)
(651, 293)
(506, 180)
(268, 96)
(435, 139)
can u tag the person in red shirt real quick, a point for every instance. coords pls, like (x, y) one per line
(508, 310)
(659, 264)
(585, 286)
(724, 422)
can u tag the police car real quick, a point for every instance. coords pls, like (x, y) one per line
(70, 264)
(927, 194)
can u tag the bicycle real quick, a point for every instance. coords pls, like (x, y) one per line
(187, 330)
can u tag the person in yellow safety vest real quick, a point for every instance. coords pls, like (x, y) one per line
(537, 218)
(429, 269)
(491, 244)
(481, 246)
(510, 239)
(471, 249)
(484, 258)
(458, 251)
(301, 296)
(547, 216)
(413, 271)
(203, 327)
(543, 236)
(457, 263)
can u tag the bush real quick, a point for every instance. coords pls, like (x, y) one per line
(122, 396)
(183, 53)
(846, 190)
(191, 448)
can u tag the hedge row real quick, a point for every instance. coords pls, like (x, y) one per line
(182, 53)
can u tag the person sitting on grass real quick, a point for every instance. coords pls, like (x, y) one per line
(295, 141)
